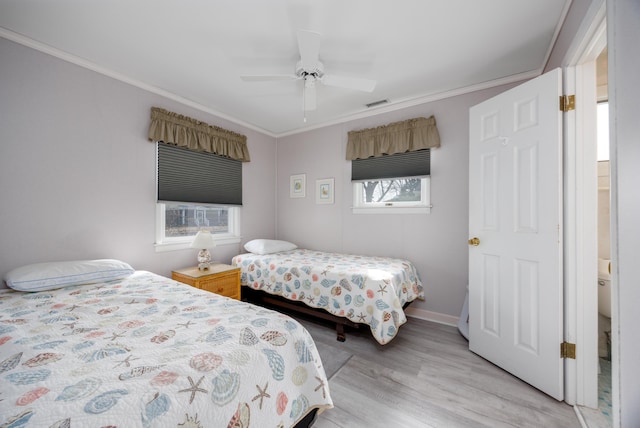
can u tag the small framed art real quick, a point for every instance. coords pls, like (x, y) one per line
(324, 191)
(297, 185)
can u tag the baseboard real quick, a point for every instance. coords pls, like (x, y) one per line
(583, 423)
(432, 316)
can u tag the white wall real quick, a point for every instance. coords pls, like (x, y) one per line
(436, 243)
(604, 211)
(623, 34)
(77, 173)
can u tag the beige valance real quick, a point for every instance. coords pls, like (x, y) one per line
(183, 131)
(398, 137)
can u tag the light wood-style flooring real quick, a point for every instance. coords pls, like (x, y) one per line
(426, 377)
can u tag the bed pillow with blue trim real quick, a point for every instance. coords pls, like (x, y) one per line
(49, 276)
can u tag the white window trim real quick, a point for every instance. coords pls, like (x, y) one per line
(423, 207)
(163, 243)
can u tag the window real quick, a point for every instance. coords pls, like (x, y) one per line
(196, 191)
(603, 131)
(397, 195)
(398, 183)
(177, 224)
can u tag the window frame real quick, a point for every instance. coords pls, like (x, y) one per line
(422, 207)
(164, 243)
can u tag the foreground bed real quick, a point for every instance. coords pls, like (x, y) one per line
(151, 352)
(358, 289)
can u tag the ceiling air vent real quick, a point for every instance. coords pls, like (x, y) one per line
(376, 103)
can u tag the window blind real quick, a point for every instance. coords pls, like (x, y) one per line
(198, 177)
(410, 164)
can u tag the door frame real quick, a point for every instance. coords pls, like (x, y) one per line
(580, 218)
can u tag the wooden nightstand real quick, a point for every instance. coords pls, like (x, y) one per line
(219, 278)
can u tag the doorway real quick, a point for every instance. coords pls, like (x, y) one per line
(602, 415)
(582, 190)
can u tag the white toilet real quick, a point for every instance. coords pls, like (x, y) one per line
(604, 287)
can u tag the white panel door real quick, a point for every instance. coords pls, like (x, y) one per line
(515, 212)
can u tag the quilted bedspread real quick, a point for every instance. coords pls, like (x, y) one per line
(147, 351)
(369, 290)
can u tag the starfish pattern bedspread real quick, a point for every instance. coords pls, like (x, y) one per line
(147, 351)
(369, 290)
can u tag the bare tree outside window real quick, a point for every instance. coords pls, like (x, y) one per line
(393, 190)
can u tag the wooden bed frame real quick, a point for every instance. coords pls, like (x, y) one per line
(265, 299)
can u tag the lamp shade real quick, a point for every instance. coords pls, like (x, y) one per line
(203, 239)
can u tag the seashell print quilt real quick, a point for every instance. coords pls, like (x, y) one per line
(369, 290)
(147, 351)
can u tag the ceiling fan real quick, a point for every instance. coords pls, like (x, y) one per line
(311, 70)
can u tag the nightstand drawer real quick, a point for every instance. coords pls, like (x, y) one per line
(225, 285)
(219, 279)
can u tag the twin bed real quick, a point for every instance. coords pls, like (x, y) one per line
(352, 289)
(136, 349)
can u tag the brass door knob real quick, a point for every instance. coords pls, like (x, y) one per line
(474, 241)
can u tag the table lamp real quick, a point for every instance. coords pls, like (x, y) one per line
(203, 241)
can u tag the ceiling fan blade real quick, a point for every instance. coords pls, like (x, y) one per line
(309, 46)
(356, 83)
(309, 94)
(271, 77)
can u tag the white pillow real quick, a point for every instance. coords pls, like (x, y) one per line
(49, 276)
(268, 246)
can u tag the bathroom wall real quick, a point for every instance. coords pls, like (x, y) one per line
(604, 208)
(604, 252)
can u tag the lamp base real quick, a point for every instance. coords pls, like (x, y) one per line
(204, 259)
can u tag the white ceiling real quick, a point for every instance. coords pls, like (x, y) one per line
(196, 50)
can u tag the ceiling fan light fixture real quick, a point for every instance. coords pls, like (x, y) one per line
(317, 71)
(309, 93)
(311, 70)
(309, 81)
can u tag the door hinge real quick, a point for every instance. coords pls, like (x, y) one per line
(567, 102)
(568, 350)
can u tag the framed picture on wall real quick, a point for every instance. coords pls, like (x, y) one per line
(297, 185)
(324, 191)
